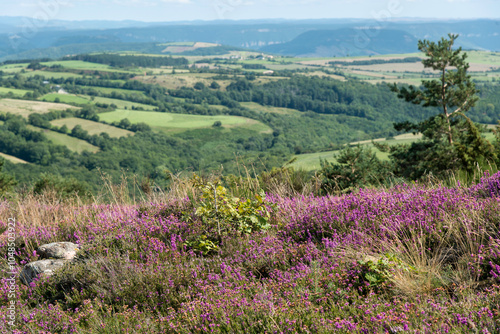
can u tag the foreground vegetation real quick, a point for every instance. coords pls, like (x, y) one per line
(411, 258)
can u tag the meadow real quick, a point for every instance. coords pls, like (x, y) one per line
(411, 258)
(13, 159)
(72, 143)
(25, 107)
(66, 98)
(311, 161)
(171, 122)
(85, 99)
(50, 75)
(14, 91)
(86, 66)
(93, 128)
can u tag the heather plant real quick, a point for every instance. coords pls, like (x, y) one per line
(411, 258)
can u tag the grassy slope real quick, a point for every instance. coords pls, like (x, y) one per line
(13, 159)
(179, 122)
(25, 107)
(122, 104)
(16, 92)
(93, 128)
(66, 98)
(49, 74)
(72, 143)
(311, 161)
(85, 99)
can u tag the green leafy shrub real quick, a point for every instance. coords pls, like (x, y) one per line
(224, 215)
(378, 273)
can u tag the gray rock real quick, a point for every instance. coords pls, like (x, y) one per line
(58, 250)
(45, 268)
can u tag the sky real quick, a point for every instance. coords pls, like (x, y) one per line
(181, 10)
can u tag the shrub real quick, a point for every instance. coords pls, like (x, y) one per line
(225, 215)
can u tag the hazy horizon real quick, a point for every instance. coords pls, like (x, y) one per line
(209, 10)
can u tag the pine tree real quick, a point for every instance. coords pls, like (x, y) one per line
(454, 93)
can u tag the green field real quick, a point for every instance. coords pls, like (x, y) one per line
(85, 99)
(170, 122)
(311, 161)
(66, 98)
(77, 65)
(16, 92)
(484, 57)
(121, 104)
(49, 74)
(481, 64)
(11, 66)
(93, 128)
(72, 143)
(85, 66)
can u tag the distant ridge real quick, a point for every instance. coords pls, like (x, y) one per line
(90, 36)
(346, 42)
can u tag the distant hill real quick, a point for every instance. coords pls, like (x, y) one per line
(346, 42)
(16, 44)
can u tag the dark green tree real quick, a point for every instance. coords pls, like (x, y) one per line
(356, 167)
(7, 182)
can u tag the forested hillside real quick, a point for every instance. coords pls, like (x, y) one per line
(88, 115)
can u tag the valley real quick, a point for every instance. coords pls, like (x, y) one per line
(243, 103)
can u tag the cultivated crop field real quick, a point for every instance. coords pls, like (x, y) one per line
(171, 122)
(410, 259)
(483, 67)
(25, 107)
(93, 128)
